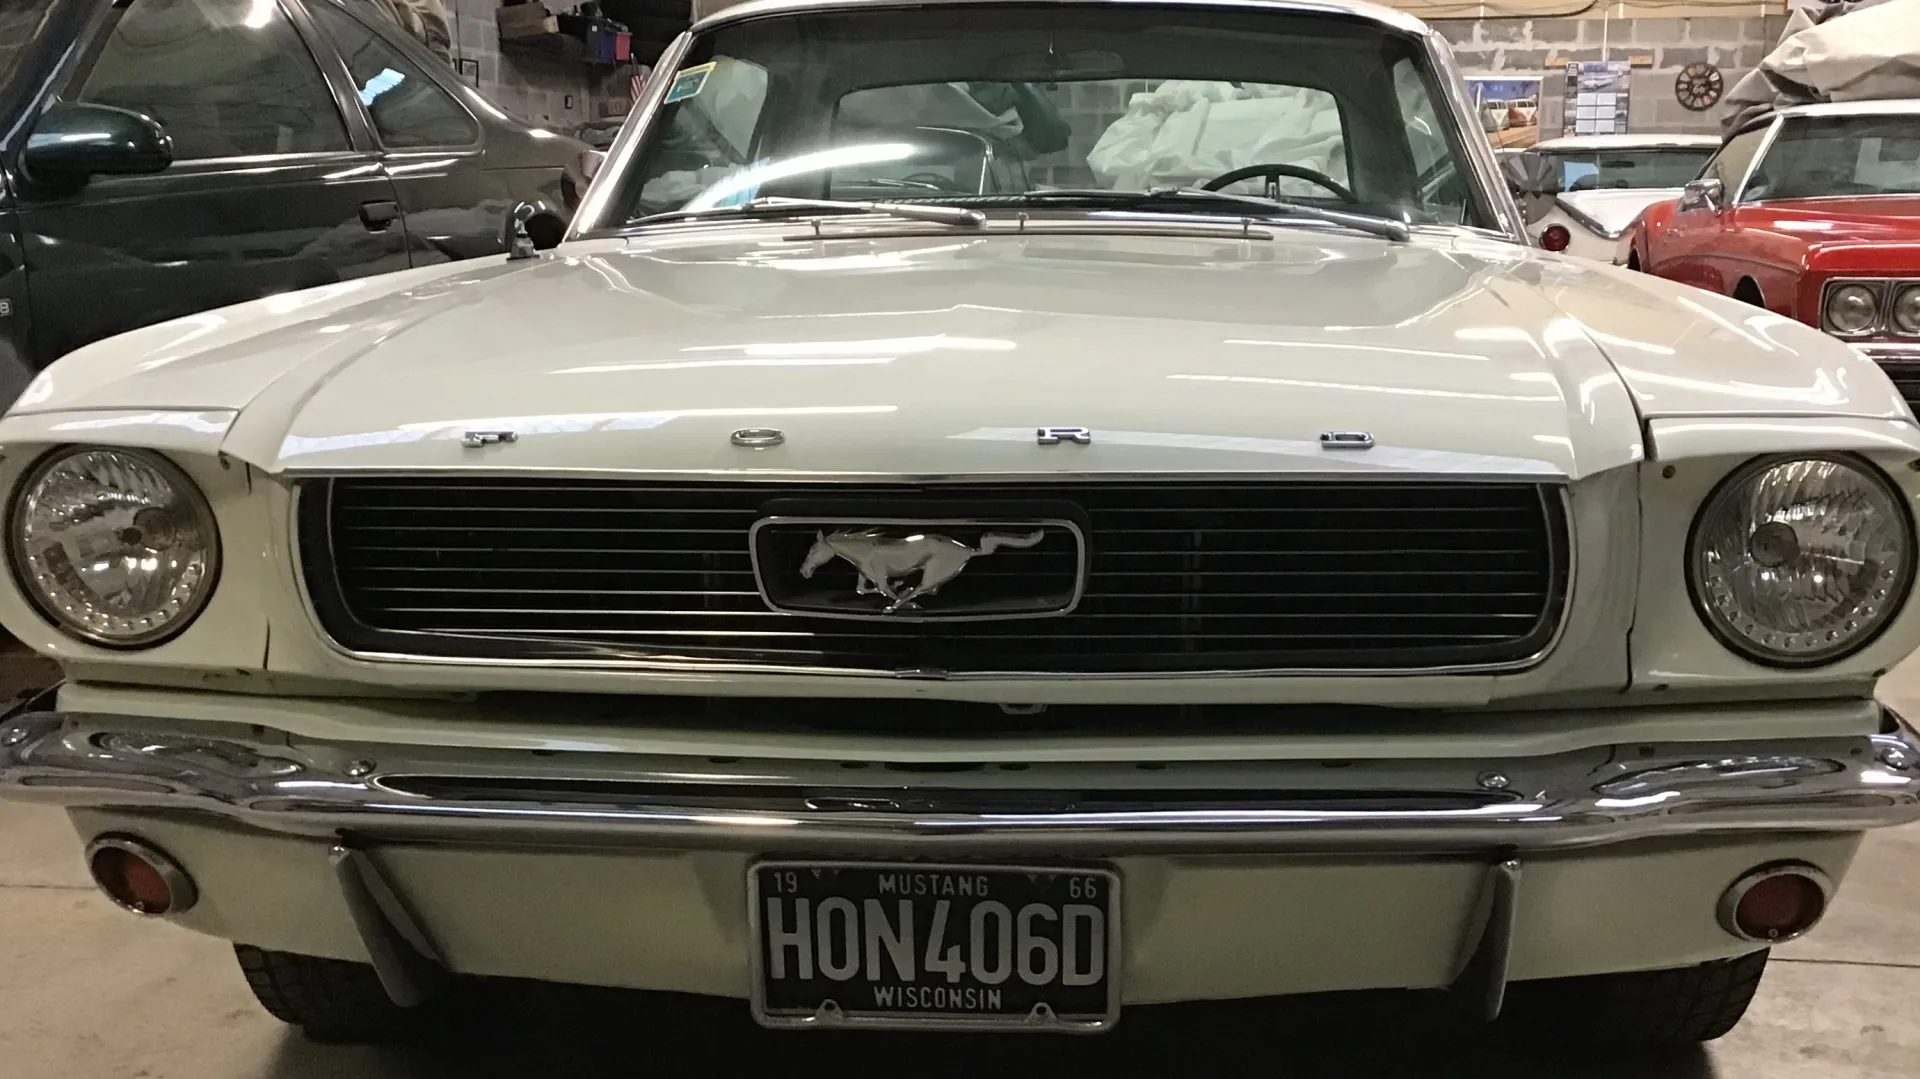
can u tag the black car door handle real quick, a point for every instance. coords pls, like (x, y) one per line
(378, 215)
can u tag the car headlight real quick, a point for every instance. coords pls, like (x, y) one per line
(1798, 562)
(1853, 309)
(1906, 310)
(117, 547)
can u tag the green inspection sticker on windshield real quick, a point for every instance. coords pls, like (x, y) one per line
(688, 82)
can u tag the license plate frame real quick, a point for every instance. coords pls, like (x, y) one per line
(1038, 1020)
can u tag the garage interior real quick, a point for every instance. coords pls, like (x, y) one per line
(89, 992)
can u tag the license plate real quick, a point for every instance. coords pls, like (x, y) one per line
(950, 946)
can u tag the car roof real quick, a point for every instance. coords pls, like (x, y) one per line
(1906, 106)
(1629, 142)
(1385, 16)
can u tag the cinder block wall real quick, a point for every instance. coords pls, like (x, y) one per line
(532, 88)
(1525, 46)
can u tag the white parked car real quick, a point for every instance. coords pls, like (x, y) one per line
(983, 606)
(1599, 183)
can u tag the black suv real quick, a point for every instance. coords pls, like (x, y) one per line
(162, 157)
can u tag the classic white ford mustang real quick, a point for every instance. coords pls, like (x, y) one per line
(996, 513)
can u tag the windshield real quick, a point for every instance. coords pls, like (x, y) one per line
(957, 104)
(1599, 170)
(1813, 157)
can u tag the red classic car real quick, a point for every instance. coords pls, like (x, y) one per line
(1813, 212)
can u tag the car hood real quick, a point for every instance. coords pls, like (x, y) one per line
(1613, 209)
(1877, 219)
(939, 353)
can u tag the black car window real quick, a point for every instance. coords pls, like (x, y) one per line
(1729, 166)
(226, 78)
(1827, 156)
(19, 21)
(409, 109)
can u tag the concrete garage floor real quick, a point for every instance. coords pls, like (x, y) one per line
(89, 992)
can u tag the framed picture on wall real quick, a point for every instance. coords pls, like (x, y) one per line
(1597, 96)
(1509, 108)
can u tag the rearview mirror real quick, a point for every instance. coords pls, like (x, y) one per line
(76, 139)
(1053, 66)
(1704, 195)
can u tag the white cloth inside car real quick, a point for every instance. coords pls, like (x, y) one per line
(1185, 132)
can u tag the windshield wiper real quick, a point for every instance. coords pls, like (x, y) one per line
(771, 205)
(1385, 227)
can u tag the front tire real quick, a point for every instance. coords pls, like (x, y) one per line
(1680, 1006)
(331, 1000)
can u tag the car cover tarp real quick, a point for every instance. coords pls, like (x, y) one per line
(1867, 50)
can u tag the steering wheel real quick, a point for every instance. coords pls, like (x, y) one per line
(933, 180)
(1273, 173)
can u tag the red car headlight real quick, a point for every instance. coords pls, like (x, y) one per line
(1906, 310)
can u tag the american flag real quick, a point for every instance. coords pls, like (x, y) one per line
(640, 77)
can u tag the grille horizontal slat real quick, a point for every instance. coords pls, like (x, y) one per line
(1905, 374)
(1182, 577)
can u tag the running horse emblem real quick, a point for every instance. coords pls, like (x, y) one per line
(885, 561)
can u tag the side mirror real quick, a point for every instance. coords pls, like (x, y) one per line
(532, 227)
(1704, 195)
(75, 139)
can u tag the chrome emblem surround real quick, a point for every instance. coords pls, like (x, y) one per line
(757, 438)
(905, 560)
(1346, 440)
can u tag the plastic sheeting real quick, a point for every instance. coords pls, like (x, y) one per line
(1863, 51)
(1184, 132)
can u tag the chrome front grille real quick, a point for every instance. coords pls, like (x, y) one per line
(1182, 577)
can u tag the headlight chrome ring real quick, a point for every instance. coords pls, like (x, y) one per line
(1801, 561)
(1851, 309)
(116, 547)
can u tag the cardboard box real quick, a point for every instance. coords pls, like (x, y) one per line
(525, 20)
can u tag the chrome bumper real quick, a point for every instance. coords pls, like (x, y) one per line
(269, 780)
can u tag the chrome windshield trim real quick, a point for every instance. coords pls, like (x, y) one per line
(611, 658)
(1382, 16)
(267, 779)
